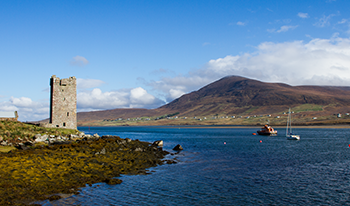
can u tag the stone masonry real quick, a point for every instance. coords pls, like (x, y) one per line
(63, 102)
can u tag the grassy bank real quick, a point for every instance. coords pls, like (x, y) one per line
(13, 131)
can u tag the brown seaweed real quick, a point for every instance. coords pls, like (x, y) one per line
(45, 172)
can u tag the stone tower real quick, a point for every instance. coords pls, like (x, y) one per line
(63, 102)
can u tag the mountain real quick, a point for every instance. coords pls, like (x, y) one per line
(235, 95)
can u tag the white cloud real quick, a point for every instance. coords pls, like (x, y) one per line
(286, 28)
(293, 62)
(126, 98)
(174, 93)
(317, 62)
(79, 61)
(95, 99)
(343, 21)
(174, 87)
(241, 23)
(303, 15)
(88, 83)
(22, 102)
(27, 109)
(282, 29)
(324, 21)
(139, 98)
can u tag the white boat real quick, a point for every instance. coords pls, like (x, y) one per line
(289, 134)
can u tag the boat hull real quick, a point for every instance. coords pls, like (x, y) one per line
(293, 137)
(267, 132)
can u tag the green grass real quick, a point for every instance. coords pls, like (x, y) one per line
(251, 110)
(307, 108)
(13, 130)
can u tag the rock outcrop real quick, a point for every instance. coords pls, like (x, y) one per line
(158, 143)
(178, 148)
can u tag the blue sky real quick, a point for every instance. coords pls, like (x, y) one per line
(143, 54)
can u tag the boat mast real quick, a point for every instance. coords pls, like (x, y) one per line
(290, 122)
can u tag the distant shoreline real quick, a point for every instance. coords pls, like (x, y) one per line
(338, 126)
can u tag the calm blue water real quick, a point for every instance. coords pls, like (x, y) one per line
(244, 171)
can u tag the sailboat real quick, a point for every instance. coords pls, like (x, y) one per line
(289, 134)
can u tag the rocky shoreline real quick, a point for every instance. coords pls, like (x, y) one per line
(22, 143)
(48, 166)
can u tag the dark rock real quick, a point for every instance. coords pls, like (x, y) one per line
(28, 143)
(170, 161)
(22, 146)
(158, 143)
(110, 137)
(113, 181)
(54, 197)
(178, 147)
(61, 143)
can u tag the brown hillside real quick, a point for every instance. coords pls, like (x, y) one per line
(234, 95)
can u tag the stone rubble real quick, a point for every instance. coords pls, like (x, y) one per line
(47, 139)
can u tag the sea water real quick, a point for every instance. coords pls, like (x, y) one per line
(231, 166)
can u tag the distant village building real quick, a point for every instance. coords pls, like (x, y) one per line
(8, 116)
(63, 103)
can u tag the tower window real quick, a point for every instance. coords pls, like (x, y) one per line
(64, 124)
(67, 114)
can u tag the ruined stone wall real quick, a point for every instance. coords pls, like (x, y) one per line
(63, 102)
(11, 117)
(8, 119)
